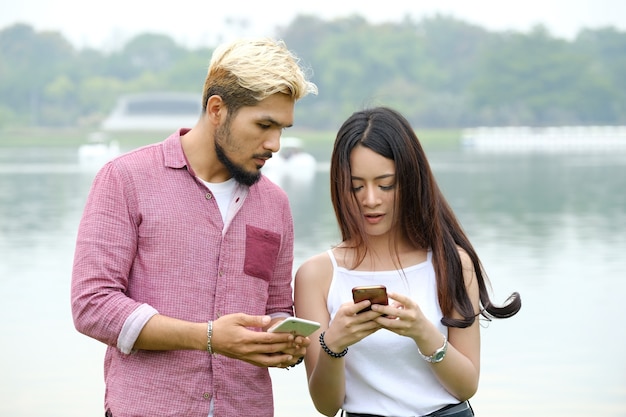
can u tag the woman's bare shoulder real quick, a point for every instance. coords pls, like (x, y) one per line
(317, 265)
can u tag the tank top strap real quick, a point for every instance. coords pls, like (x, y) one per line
(429, 256)
(331, 255)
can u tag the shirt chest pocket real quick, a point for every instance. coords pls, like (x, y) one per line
(262, 248)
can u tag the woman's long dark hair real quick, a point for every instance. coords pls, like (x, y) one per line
(423, 213)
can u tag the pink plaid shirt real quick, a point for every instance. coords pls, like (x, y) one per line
(152, 238)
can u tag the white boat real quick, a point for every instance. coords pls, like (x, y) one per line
(142, 112)
(291, 165)
(97, 151)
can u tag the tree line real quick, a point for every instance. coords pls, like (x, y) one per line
(441, 72)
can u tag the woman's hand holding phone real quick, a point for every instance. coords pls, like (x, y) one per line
(377, 294)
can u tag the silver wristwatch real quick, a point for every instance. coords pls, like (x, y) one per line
(438, 355)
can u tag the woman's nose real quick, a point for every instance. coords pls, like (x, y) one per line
(371, 197)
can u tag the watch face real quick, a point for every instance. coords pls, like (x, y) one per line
(438, 356)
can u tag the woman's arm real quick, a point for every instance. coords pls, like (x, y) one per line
(325, 374)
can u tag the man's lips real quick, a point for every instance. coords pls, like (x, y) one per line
(261, 159)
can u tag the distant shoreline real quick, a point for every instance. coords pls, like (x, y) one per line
(74, 137)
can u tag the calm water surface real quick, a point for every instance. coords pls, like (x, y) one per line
(552, 227)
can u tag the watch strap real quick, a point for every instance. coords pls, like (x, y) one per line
(438, 355)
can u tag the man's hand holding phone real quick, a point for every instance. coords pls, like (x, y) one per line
(300, 329)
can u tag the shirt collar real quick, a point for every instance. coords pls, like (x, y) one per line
(173, 154)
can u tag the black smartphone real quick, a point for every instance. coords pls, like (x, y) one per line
(377, 294)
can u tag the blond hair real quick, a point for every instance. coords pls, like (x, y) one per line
(247, 71)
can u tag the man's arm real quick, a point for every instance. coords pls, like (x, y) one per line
(231, 336)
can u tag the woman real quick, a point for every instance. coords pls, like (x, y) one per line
(419, 355)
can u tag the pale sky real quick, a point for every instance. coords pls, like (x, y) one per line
(194, 23)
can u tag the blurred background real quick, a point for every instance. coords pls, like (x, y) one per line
(444, 64)
(521, 107)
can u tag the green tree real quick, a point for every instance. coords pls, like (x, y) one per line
(31, 61)
(439, 71)
(605, 97)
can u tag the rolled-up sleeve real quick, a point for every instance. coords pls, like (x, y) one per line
(133, 326)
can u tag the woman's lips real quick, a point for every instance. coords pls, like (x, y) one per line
(373, 218)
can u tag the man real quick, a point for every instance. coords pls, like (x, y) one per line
(184, 247)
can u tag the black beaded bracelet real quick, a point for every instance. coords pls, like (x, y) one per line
(330, 352)
(295, 364)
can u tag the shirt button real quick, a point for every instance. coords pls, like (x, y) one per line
(208, 196)
(206, 395)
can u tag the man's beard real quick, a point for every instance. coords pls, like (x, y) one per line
(239, 174)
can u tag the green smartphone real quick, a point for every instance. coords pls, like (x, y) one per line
(295, 326)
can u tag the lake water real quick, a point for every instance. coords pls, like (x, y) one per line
(551, 226)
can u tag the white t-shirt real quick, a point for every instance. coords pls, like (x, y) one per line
(223, 194)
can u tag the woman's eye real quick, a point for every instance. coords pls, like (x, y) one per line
(387, 187)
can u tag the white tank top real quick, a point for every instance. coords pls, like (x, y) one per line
(385, 374)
